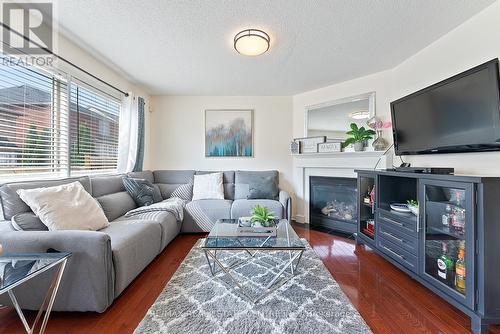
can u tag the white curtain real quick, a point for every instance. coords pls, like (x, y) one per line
(127, 139)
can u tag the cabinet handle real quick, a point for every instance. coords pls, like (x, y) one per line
(393, 221)
(394, 237)
(393, 252)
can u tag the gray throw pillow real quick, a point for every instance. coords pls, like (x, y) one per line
(142, 191)
(27, 221)
(263, 187)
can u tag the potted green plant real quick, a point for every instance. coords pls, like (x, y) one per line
(358, 135)
(413, 206)
(261, 216)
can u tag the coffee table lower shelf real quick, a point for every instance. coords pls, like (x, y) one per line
(284, 270)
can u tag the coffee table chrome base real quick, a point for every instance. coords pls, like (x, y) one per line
(275, 283)
(47, 303)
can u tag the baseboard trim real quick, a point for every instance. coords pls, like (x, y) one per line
(299, 219)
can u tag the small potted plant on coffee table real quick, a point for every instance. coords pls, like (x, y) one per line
(261, 216)
(262, 223)
(358, 136)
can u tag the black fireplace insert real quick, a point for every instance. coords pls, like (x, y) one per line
(333, 203)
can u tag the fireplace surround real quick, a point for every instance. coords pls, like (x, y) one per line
(341, 164)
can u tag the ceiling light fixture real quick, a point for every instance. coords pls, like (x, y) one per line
(362, 114)
(251, 42)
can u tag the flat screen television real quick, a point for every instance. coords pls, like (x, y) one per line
(459, 114)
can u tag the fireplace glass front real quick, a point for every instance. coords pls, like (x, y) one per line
(333, 203)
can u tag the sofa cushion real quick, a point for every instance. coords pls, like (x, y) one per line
(182, 191)
(12, 204)
(106, 184)
(170, 227)
(27, 221)
(177, 182)
(227, 179)
(142, 191)
(116, 205)
(145, 174)
(65, 207)
(173, 176)
(134, 244)
(200, 216)
(248, 183)
(244, 207)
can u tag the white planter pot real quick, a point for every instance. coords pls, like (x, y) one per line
(358, 146)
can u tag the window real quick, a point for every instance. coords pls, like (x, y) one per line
(41, 136)
(94, 121)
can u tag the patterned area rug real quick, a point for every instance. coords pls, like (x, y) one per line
(195, 302)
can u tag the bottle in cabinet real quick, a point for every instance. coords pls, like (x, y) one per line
(460, 273)
(445, 266)
(447, 217)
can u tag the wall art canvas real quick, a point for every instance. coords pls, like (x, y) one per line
(228, 133)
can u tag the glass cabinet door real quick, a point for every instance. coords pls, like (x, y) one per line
(448, 237)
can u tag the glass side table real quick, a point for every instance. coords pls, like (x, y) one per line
(15, 269)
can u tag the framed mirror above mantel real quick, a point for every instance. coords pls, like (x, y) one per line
(333, 118)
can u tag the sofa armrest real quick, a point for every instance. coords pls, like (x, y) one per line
(88, 281)
(286, 201)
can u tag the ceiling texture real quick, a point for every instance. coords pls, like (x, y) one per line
(186, 47)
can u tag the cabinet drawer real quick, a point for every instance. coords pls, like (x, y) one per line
(394, 235)
(398, 254)
(403, 224)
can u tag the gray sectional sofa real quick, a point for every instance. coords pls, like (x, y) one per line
(105, 262)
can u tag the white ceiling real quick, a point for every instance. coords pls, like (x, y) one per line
(185, 47)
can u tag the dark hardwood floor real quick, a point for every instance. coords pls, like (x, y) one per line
(388, 299)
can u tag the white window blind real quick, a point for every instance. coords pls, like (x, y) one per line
(40, 136)
(94, 121)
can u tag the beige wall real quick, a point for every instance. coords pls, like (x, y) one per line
(177, 133)
(474, 42)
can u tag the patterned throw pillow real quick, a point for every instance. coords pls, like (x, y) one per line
(142, 191)
(184, 192)
(27, 221)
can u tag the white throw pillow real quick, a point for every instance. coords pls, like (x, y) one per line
(208, 186)
(65, 207)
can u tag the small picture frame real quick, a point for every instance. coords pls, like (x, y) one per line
(310, 144)
(329, 147)
(295, 147)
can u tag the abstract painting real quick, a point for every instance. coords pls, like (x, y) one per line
(228, 133)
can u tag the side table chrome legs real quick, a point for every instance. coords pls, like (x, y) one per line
(47, 303)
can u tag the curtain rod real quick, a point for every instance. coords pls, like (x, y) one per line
(63, 59)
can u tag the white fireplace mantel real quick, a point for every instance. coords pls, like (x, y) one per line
(340, 164)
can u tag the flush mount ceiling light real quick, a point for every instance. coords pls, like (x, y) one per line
(361, 114)
(251, 42)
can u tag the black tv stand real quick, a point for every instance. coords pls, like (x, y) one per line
(413, 241)
(425, 170)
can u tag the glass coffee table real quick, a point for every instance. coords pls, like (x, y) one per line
(15, 269)
(283, 253)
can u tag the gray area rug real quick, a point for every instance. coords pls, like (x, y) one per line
(195, 302)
